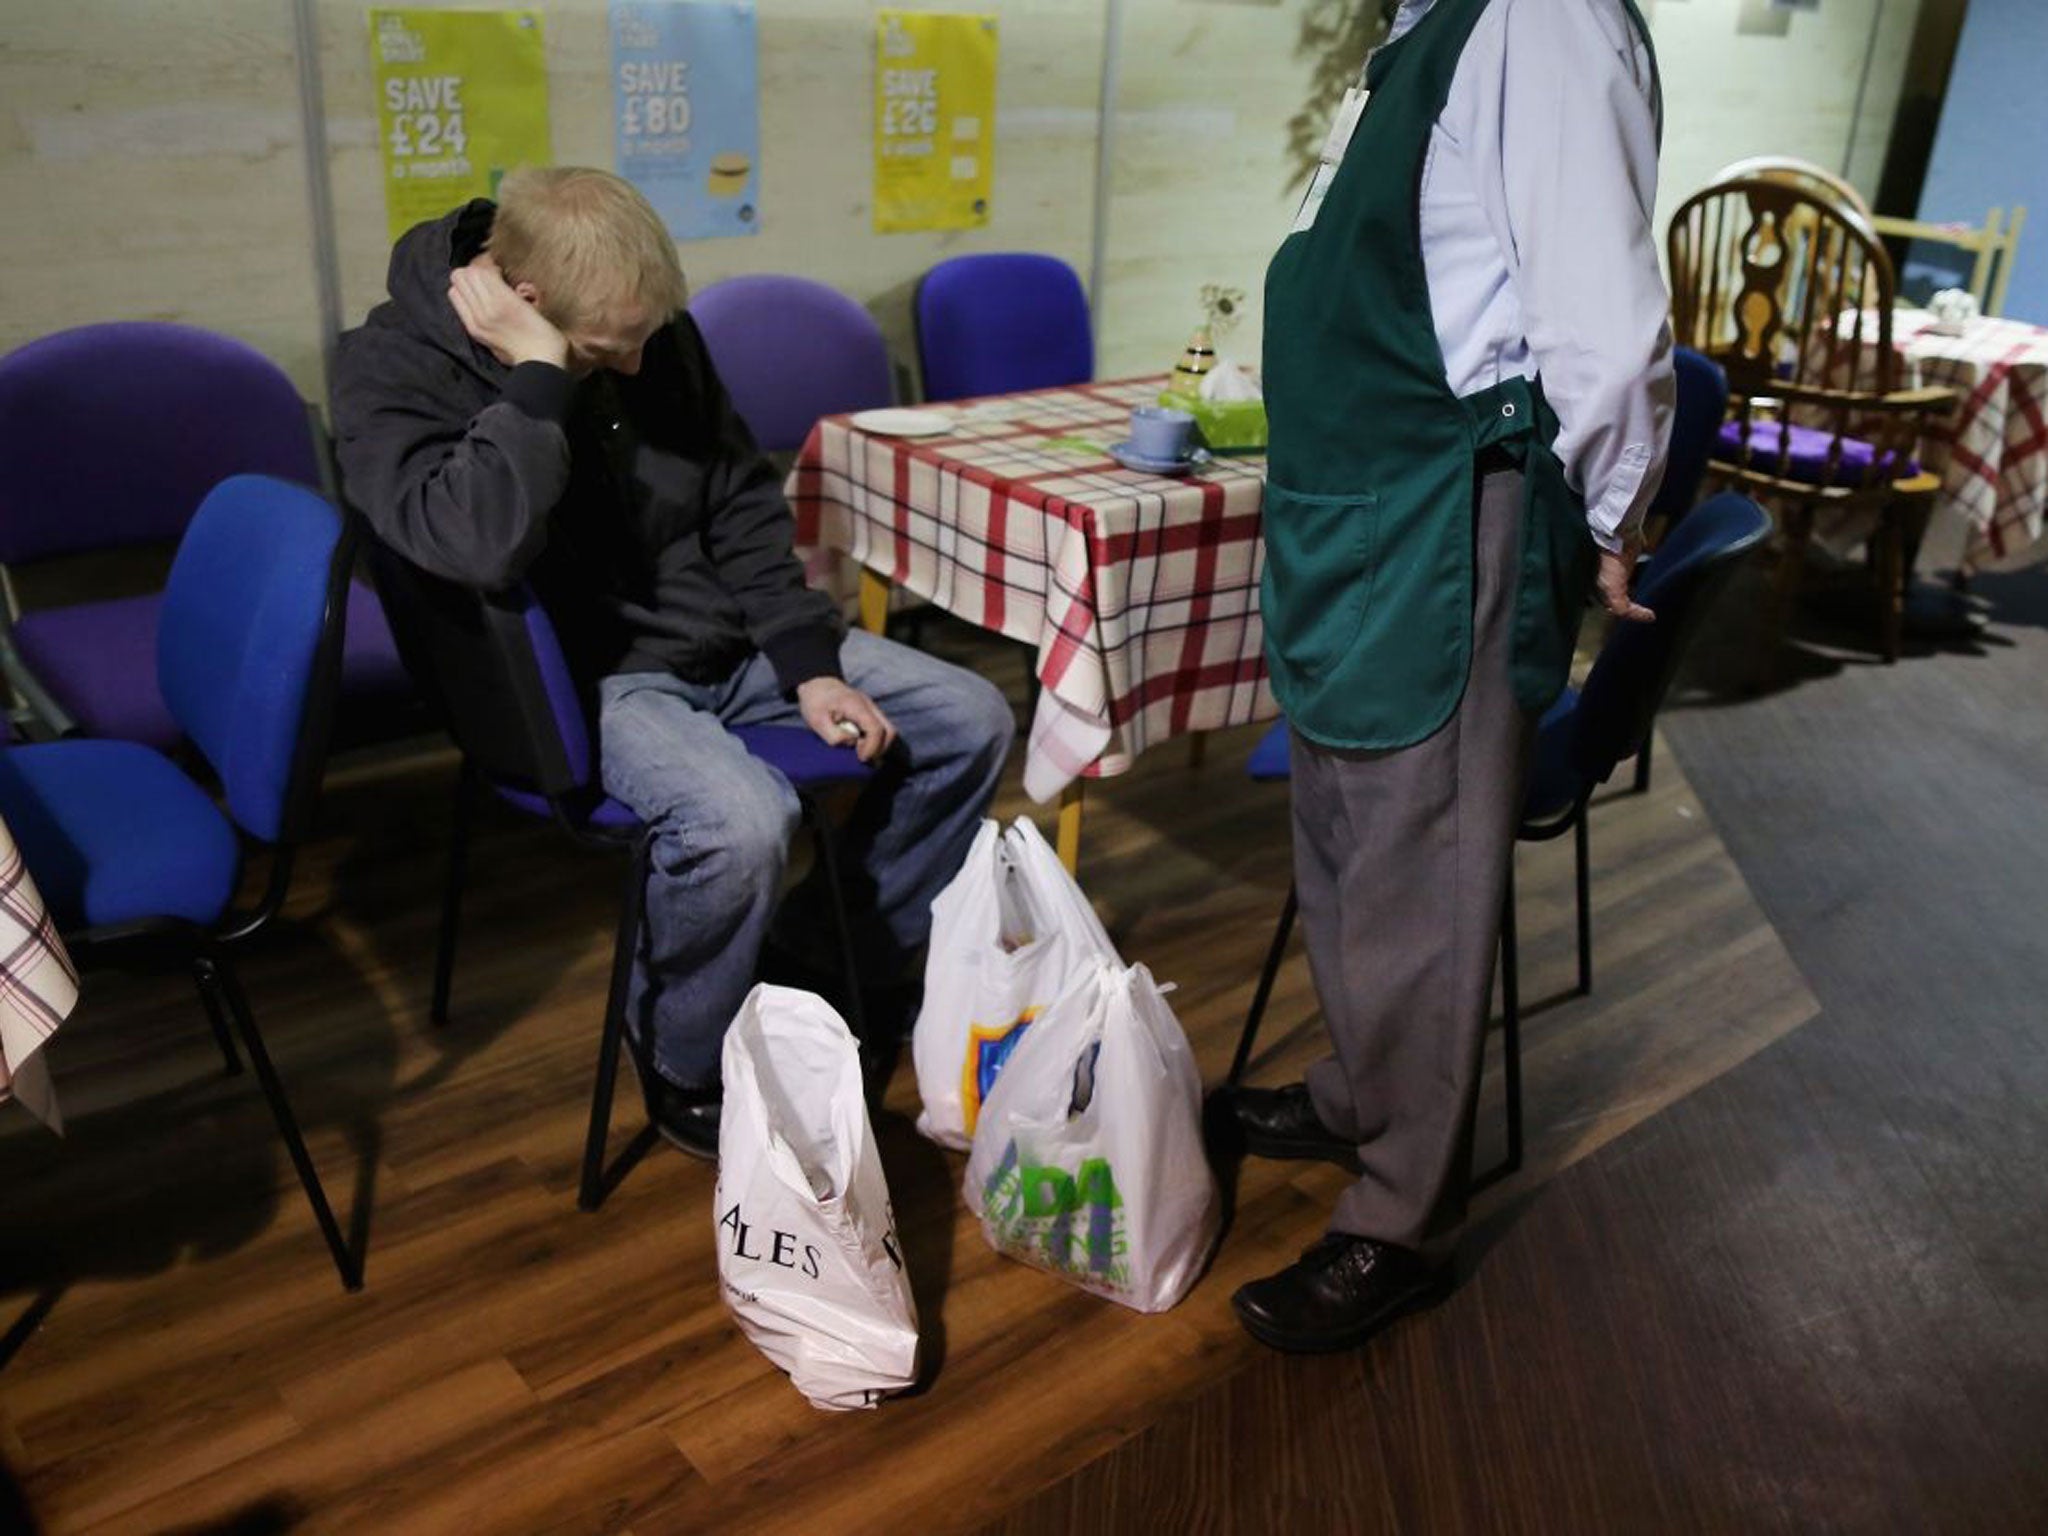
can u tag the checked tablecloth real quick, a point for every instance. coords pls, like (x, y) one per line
(1993, 461)
(1139, 593)
(38, 987)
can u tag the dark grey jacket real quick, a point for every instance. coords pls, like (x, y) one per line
(639, 508)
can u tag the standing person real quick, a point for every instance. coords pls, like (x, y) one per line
(533, 404)
(1467, 371)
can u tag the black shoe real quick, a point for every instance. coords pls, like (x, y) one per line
(1338, 1294)
(1281, 1122)
(686, 1118)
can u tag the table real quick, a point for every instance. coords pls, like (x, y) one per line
(38, 987)
(1139, 593)
(1993, 460)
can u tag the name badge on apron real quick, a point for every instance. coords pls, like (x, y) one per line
(1331, 157)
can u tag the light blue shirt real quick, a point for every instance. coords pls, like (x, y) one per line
(1538, 242)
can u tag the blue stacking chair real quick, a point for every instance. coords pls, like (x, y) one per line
(996, 324)
(1696, 419)
(1582, 738)
(493, 665)
(134, 859)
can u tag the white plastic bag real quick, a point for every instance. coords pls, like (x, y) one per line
(807, 1251)
(1009, 935)
(1088, 1161)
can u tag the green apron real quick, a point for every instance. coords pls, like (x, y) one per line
(1371, 488)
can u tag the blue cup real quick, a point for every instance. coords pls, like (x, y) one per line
(1158, 432)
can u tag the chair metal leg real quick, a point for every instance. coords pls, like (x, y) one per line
(1275, 953)
(828, 860)
(1643, 767)
(1585, 894)
(207, 975)
(349, 1264)
(451, 895)
(1511, 1023)
(632, 905)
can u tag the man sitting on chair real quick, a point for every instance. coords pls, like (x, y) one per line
(532, 404)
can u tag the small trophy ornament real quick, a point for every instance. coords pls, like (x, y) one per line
(1221, 308)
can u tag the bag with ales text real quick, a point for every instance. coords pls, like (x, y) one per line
(1009, 934)
(807, 1252)
(1088, 1161)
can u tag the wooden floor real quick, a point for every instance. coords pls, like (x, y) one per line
(188, 1362)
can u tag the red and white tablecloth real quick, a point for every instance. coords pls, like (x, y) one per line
(1139, 592)
(38, 987)
(1993, 459)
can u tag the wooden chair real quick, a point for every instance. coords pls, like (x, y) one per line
(1789, 289)
(1993, 248)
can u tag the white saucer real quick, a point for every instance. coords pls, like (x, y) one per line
(1130, 458)
(894, 422)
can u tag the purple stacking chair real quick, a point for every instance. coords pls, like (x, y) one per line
(996, 324)
(1581, 740)
(110, 437)
(790, 351)
(491, 663)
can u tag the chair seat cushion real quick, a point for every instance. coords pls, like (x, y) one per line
(98, 660)
(607, 815)
(1810, 447)
(1554, 782)
(803, 759)
(112, 832)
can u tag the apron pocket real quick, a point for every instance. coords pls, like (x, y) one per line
(1559, 559)
(1322, 555)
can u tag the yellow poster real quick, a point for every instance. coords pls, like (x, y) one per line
(935, 120)
(462, 98)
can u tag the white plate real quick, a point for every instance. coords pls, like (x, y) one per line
(900, 423)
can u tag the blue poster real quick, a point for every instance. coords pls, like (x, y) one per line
(684, 85)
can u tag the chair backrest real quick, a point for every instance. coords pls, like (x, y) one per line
(113, 434)
(493, 666)
(1780, 285)
(1636, 664)
(1695, 422)
(995, 324)
(248, 645)
(790, 351)
(1818, 180)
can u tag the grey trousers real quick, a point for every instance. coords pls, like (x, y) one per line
(1401, 860)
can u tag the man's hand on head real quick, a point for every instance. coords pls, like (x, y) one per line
(830, 706)
(499, 319)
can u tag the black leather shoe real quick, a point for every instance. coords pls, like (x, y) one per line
(1338, 1294)
(1281, 1122)
(687, 1118)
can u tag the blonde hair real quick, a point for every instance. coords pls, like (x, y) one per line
(587, 240)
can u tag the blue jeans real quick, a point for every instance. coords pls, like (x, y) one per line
(722, 821)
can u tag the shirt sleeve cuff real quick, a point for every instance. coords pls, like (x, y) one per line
(798, 655)
(1617, 516)
(542, 391)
